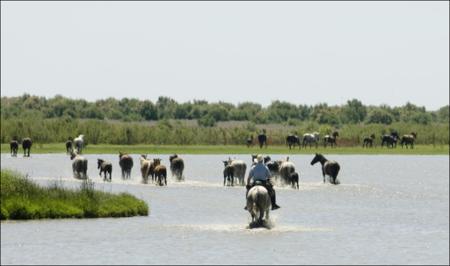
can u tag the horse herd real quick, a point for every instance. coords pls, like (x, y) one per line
(148, 167)
(390, 140)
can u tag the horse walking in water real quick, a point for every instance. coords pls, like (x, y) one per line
(368, 141)
(14, 147)
(69, 146)
(79, 166)
(259, 205)
(292, 140)
(330, 139)
(79, 143)
(26, 145)
(408, 140)
(309, 138)
(330, 168)
(176, 166)
(262, 139)
(105, 168)
(126, 163)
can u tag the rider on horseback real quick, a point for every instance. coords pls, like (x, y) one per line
(260, 172)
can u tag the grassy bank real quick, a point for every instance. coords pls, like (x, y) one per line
(23, 199)
(231, 149)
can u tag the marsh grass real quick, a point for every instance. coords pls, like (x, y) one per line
(420, 149)
(23, 199)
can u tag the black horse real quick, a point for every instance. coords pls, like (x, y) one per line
(389, 140)
(292, 140)
(14, 146)
(330, 139)
(408, 140)
(26, 145)
(330, 168)
(249, 141)
(69, 146)
(368, 141)
(262, 139)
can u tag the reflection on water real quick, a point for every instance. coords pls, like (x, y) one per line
(387, 210)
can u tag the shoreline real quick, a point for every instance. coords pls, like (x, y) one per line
(59, 148)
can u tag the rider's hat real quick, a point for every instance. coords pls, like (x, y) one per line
(259, 158)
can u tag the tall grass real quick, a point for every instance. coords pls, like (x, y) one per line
(23, 199)
(180, 133)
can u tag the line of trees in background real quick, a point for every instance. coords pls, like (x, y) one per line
(207, 114)
(126, 121)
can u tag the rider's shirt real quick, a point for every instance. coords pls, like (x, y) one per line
(259, 172)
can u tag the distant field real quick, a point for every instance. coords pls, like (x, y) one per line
(231, 149)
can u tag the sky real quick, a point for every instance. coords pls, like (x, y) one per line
(379, 52)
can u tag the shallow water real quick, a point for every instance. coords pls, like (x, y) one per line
(387, 210)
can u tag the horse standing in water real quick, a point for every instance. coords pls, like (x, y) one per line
(176, 166)
(126, 163)
(14, 146)
(26, 145)
(79, 143)
(330, 168)
(258, 204)
(368, 141)
(330, 139)
(408, 140)
(69, 146)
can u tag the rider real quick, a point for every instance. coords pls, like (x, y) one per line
(260, 172)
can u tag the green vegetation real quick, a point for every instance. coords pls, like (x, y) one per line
(232, 149)
(166, 122)
(23, 199)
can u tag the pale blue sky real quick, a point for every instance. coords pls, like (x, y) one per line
(301, 52)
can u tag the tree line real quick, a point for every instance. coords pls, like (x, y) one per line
(130, 121)
(208, 114)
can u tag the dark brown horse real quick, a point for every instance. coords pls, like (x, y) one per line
(368, 141)
(161, 174)
(292, 140)
(408, 140)
(330, 168)
(26, 145)
(330, 139)
(14, 146)
(126, 163)
(250, 141)
(262, 139)
(389, 140)
(69, 146)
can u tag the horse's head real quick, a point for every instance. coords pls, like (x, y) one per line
(73, 154)
(335, 134)
(372, 136)
(156, 161)
(171, 157)
(143, 156)
(266, 159)
(225, 163)
(99, 163)
(414, 134)
(316, 158)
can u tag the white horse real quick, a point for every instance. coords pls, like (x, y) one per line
(309, 138)
(79, 143)
(258, 204)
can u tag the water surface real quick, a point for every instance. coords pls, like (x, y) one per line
(387, 210)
